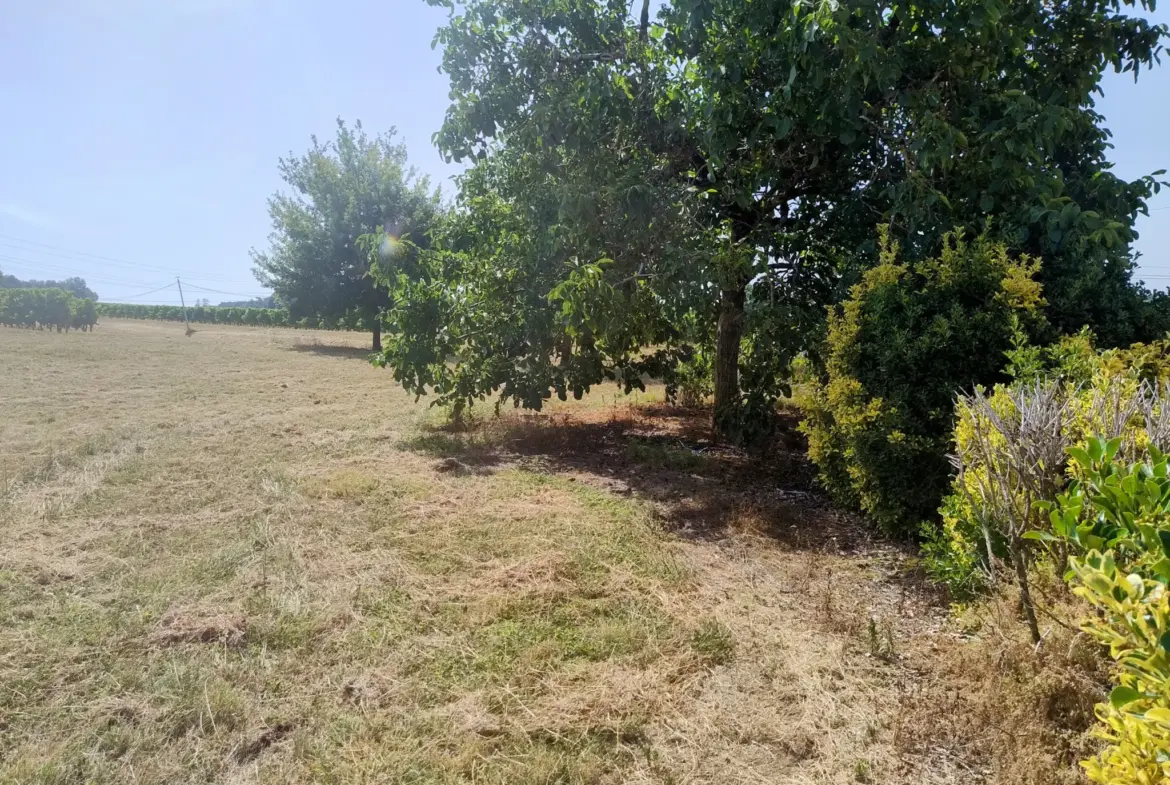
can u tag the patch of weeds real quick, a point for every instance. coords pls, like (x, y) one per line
(537, 634)
(664, 456)
(439, 445)
(211, 571)
(276, 628)
(713, 642)
(880, 636)
(133, 472)
(341, 484)
(192, 701)
(862, 771)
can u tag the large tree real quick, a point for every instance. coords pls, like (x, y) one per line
(769, 139)
(343, 190)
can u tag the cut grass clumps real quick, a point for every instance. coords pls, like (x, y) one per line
(272, 590)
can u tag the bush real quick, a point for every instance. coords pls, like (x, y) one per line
(879, 422)
(1117, 394)
(1120, 517)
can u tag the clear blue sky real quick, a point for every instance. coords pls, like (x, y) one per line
(148, 131)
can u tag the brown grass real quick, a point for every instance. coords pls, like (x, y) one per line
(245, 556)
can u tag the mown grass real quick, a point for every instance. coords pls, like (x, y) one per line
(228, 560)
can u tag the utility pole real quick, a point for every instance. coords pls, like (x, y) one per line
(184, 302)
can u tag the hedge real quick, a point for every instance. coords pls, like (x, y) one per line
(46, 309)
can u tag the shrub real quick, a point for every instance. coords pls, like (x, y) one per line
(1120, 515)
(879, 423)
(1117, 394)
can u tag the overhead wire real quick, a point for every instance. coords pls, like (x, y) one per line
(217, 291)
(85, 256)
(33, 268)
(145, 294)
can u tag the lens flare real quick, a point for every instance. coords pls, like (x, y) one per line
(391, 246)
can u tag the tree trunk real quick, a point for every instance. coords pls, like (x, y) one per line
(1025, 594)
(727, 340)
(377, 333)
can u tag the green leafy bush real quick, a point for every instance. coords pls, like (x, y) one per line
(1117, 519)
(880, 421)
(1118, 394)
(46, 309)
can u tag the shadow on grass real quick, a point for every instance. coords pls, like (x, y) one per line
(667, 457)
(332, 350)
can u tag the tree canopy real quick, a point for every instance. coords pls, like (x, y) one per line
(75, 286)
(715, 178)
(342, 190)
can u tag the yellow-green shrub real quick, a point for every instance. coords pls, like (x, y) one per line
(1121, 515)
(1113, 394)
(1135, 625)
(910, 335)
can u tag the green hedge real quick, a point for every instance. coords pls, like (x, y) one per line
(205, 314)
(46, 309)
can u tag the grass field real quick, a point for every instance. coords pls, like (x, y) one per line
(246, 556)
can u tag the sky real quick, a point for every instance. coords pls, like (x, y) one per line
(139, 139)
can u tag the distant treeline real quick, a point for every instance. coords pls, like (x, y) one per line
(258, 302)
(210, 314)
(75, 286)
(46, 309)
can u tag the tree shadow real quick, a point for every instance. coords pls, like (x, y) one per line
(333, 350)
(666, 456)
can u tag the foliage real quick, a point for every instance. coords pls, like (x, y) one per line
(210, 314)
(75, 286)
(502, 304)
(771, 139)
(910, 335)
(255, 302)
(1118, 517)
(46, 309)
(1117, 393)
(342, 190)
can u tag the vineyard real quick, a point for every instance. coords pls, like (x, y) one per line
(209, 314)
(46, 309)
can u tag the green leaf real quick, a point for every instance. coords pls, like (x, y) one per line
(1161, 569)
(1081, 456)
(1122, 696)
(1164, 537)
(1111, 447)
(1041, 536)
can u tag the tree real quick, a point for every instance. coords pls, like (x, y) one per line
(342, 190)
(75, 286)
(783, 134)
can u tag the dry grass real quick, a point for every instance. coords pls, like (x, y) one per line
(245, 556)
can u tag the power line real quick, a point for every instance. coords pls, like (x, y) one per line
(37, 268)
(83, 256)
(144, 294)
(233, 294)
